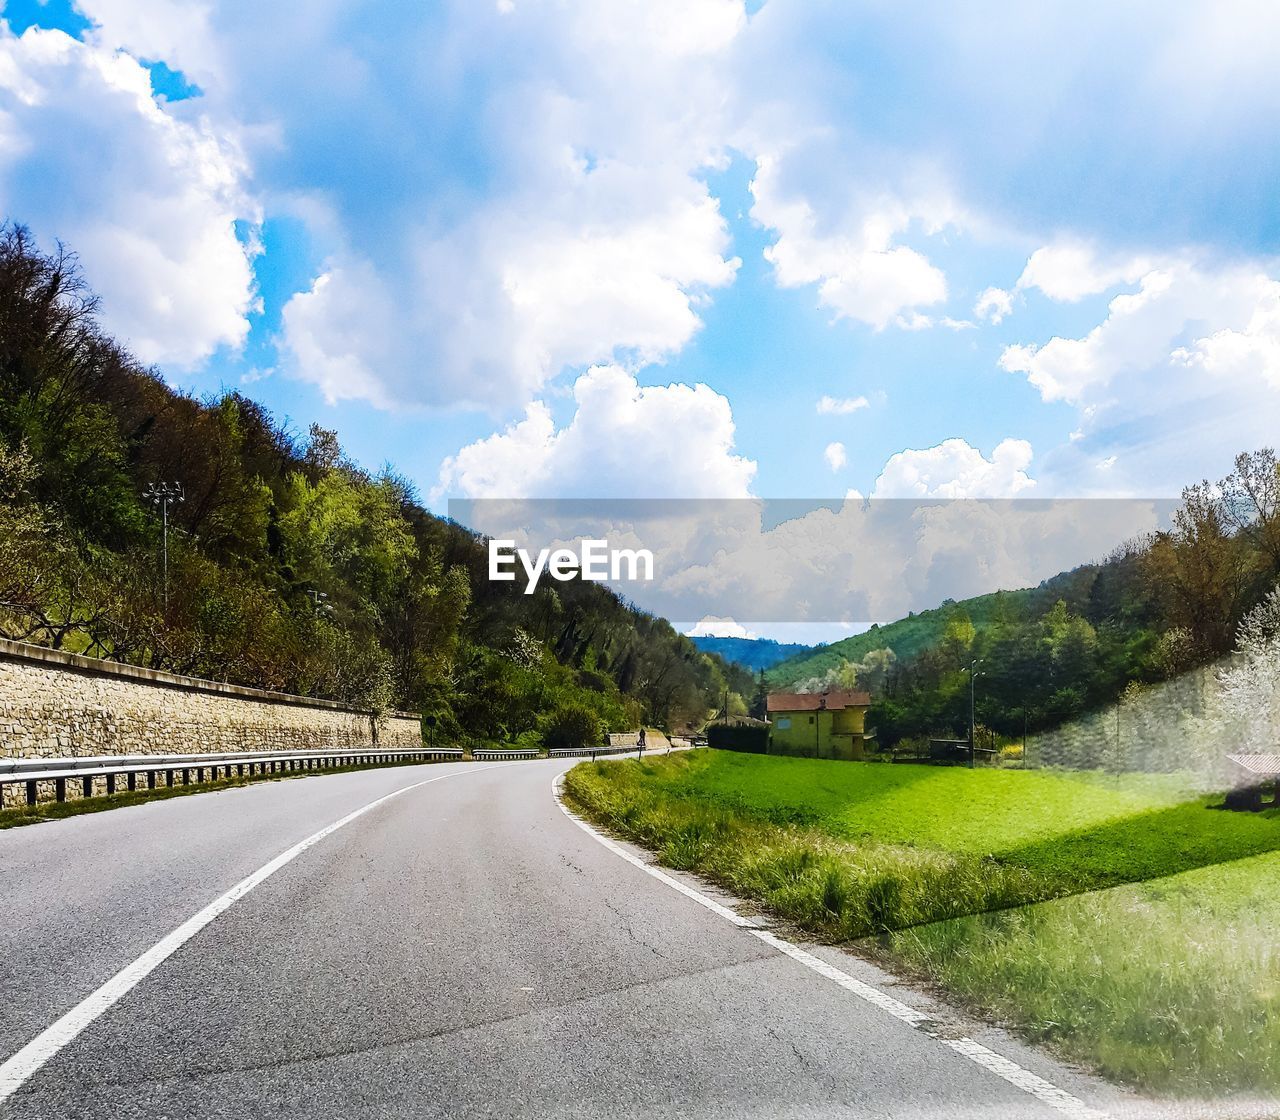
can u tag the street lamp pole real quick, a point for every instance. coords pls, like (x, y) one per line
(161, 495)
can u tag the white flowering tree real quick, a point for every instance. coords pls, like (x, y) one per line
(1250, 687)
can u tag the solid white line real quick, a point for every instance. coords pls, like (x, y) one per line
(1044, 1091)
(22, 1065)
(618, 850)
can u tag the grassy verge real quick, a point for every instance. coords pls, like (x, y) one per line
(75, 807)
(1170, 983)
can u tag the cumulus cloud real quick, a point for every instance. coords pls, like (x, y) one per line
(474, 246)
(954, 469)
(852, 258)
(1229, 313)
(835, 455)
(512, 303)
(710, 626)
(1250, 350)
(149, 200)
(1179, 376)
(624, 441)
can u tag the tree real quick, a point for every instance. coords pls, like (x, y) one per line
(1251, 501)
(760, 699)
(1250, 686)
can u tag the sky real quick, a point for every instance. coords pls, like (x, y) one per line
(682, 248)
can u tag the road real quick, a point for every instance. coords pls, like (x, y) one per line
(461, 949)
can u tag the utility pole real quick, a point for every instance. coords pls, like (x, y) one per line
(162, 495)
(972, 670)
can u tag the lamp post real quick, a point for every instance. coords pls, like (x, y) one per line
(162, 495)
(972, 670)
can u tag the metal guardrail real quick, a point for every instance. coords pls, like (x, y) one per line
(485, 754)
(589, 752)
(30, 771)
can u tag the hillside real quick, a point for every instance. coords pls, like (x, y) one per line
(906, 637)
(1155, 608)
(289, 566)
(751, 653)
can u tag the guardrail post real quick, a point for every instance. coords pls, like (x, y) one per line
(86, 786)
(111, 784)
(132, 780)
(31, 793)
(60, 788)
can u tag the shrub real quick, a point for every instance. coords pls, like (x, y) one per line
(573, 726)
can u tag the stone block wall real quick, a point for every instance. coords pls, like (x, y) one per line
(55, 704)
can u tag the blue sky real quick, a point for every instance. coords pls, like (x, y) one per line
(524, 249)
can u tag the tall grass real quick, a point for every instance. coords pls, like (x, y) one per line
(835, 888)
(1172, 984)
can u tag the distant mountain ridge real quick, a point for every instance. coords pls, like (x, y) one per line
(751, 653)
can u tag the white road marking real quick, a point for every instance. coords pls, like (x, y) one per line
(22, 1065)
(647, 868)
(1044, 1091)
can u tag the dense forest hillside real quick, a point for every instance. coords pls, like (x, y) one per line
(751, 653)
(1156, 607)
(289, 567)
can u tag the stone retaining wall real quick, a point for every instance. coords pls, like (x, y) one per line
(55, 704)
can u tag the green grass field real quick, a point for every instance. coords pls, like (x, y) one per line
(1170, 981)
(1070, 830)
(1172, 984)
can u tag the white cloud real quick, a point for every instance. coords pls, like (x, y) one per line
(852, 257)
(148, 200)
(1180, 375)
(1067, 271)
(1229, 313)
(177, 31)
(711, 626)
(835, 456)
(624, 441)
(993, 305)
(513, 302)
(474, 246)
(954, 469)
(842, 406)
(1242, 353)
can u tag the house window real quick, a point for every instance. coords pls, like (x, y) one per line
(784, 723)
(811, 719)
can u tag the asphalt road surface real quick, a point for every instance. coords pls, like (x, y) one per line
(461, 949)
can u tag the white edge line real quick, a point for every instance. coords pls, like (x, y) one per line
(1007, 1069)
(19, 1068)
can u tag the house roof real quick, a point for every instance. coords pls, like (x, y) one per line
(1259, 765)
(836, 700)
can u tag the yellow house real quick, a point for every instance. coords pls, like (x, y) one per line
(818, 725)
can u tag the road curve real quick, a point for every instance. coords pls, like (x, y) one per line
(462, 949)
